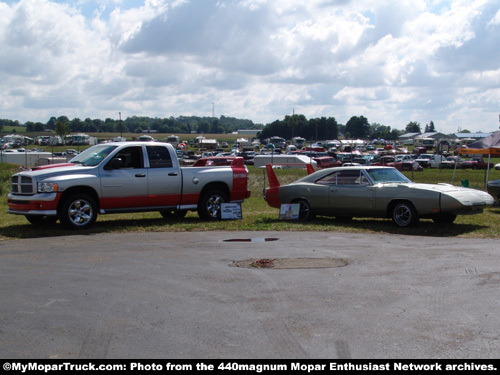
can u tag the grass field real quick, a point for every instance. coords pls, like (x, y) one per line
(257, 215)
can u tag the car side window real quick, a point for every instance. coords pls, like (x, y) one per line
(330, 179)
(131, 157)
(159, 157)
(347, 177)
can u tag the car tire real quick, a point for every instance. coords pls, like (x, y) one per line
(445, 218)
(209, 207)
(176, 214)
(404, 214)
(305, 211)
(78, 211)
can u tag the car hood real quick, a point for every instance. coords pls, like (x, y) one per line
(442, 188)
(465, 196)
(67, 168)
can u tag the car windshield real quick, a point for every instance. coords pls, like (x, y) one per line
(93, 156)
(383, 175)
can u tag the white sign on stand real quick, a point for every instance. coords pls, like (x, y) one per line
(230, 211)
(289, 211)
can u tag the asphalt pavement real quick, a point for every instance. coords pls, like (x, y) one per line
(279, 295)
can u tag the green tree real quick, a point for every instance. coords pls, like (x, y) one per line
(413, 127)
(430, 128)
(203, 127)
(61, 129)
(358, 127)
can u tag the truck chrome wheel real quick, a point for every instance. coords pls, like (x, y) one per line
(209, 207)
(78, 212)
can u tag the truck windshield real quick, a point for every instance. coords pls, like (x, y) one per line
(383, 175)
(93, 156)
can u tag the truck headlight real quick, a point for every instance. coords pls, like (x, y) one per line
(47, 187)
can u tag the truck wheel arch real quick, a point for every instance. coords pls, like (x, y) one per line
(82, 190)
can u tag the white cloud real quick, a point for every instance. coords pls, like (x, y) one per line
(393, 62)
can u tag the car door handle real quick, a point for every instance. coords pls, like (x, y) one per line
(172, 174)
(140, 175)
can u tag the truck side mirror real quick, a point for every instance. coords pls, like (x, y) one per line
(115, 163)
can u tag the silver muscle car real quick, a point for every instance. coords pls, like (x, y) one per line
(369, 191)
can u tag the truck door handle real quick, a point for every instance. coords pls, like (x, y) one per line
(172, 174)
(140, 175)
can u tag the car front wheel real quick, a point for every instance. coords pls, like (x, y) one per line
(404, 215)
(78, 211)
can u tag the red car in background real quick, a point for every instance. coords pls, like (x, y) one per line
(327, 162)
(477, 163)
(404, 165)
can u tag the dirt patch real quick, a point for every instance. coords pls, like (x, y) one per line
(291, 263)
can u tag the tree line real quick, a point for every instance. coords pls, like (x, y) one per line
(138, 124)
(324, 128)
(296, 125)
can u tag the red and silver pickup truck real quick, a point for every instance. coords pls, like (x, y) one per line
(124, 177)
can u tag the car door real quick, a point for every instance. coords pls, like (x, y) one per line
(351, 194)
(125, 186)
(164, 179)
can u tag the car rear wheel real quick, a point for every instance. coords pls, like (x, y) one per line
(209, 207)
(404, 214)
(305, 211)
(78, 211)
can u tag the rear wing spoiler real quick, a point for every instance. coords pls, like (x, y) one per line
(273, 179)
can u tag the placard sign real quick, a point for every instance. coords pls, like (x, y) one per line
(230, 211)
(289, 211)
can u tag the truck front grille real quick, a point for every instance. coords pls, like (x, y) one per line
(21, 185)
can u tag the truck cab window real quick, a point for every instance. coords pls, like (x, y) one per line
(159, 157)
(131, 157)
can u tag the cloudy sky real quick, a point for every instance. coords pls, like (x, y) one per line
(392, 61)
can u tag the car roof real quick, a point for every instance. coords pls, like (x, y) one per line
(321, 172)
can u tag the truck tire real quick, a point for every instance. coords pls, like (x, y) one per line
(209, 207)
(78, 211)
(404, 214)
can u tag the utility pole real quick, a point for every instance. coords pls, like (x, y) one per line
(121, 128)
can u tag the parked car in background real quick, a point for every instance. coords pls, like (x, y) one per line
(401, 164)
(493, 188)
(452, 162)
(477, 163)
(430, 160)
(327, 162)
(368, 191)
(419, 150)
